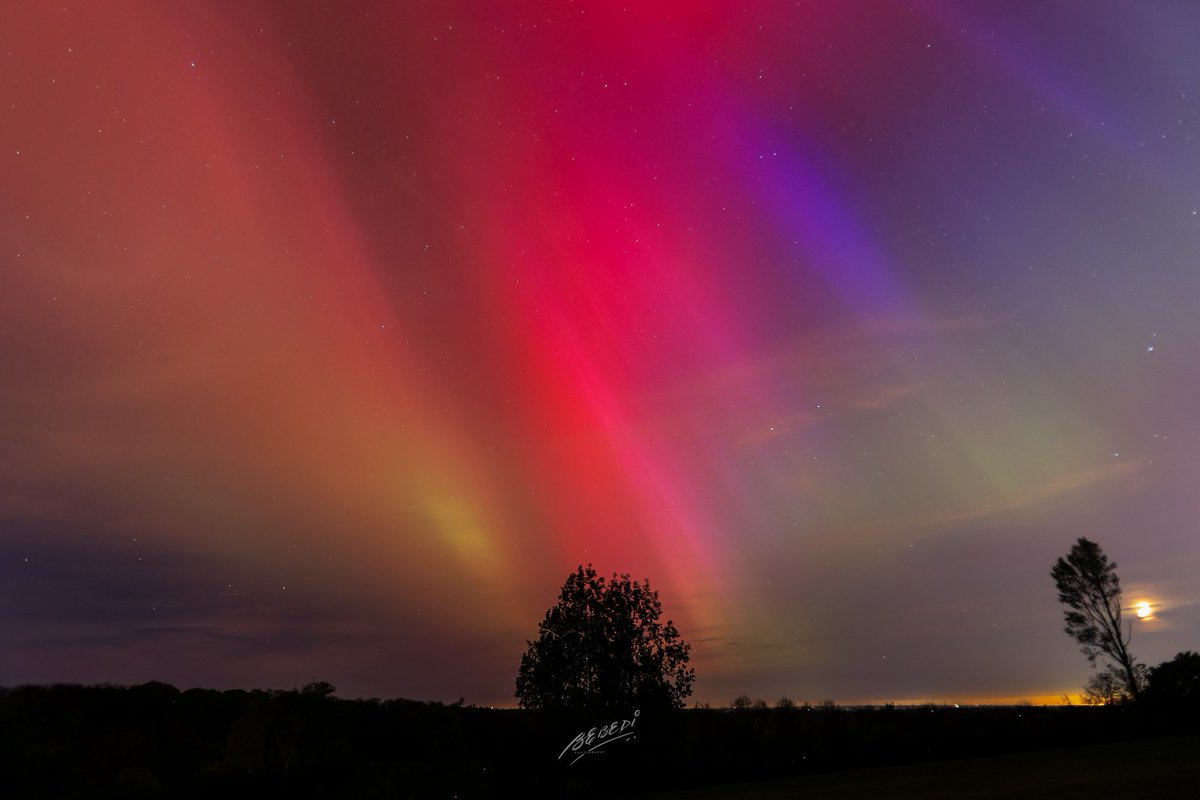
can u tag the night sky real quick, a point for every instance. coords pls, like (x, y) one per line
(333, 336)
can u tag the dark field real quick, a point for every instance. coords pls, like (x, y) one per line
(1151, 769)
(154, 741)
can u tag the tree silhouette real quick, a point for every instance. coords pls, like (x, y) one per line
(1176, 681)
(1088, 585)
(1106, 688)
(602, 646)
(743, 702)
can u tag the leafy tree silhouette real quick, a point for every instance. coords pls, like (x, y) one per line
(1088, 585)
(1176, 681)
(602, 646)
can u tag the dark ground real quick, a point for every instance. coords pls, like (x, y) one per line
(153, 741)
(1150, 769)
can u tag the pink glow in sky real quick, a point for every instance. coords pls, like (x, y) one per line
(333, 339)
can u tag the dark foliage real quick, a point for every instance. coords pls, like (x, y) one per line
(1107, 687)
(602, 647)
(1176, 681)
(1088, 585)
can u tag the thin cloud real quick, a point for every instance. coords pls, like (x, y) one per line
(1057, 488)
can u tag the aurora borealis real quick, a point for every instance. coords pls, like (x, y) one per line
(333, 337)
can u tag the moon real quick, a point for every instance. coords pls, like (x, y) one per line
(1143, 609)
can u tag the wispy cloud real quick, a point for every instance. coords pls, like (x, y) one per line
(1027, 496)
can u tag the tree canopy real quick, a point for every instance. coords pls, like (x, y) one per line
(1088, 585)
(1176, 681)
(602, 646)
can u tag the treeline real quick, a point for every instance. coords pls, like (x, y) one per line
(152, 741)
